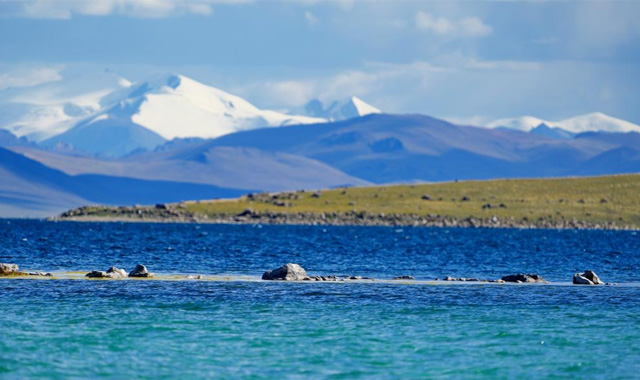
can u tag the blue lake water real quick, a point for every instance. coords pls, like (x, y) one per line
(240, 329)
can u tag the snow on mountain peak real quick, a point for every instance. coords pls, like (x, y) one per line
(522, 123)
(44, 110)
(596, 121)
(338, 110)
(174, 105)
(362, 107)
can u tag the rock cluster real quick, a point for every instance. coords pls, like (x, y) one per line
(294, 272)
(287, 272)
(323, 278)
(468, 279)
(588, 277)
(112, 272)
(159, 212)
(472, 279)
(178, 213)
(14, 270)
(8, 269)
(524, 278)
(140, 271)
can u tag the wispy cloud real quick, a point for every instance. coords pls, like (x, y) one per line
(465, 27)
(28, 75)
(312, 20)
(65, 9)
(462, 87)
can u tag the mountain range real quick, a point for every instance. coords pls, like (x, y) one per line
(171, 138)
(593, 122)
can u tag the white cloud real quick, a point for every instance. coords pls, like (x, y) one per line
(437, 25)
(312, 20)
(474, 27)
(65, 9)
(466, 27)
(345, 5)
(603, 27)
(372, 81)
(466, 90)
(26, 75)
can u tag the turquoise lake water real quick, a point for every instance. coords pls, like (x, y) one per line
(256, 329)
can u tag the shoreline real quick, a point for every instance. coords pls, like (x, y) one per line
(182, 277)
(594, 203)
(352, 220)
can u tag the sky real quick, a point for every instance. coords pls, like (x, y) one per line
(469, 61)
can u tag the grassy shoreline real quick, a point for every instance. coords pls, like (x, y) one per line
(607, 202)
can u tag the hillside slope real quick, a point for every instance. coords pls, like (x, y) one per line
(30, 189)
(595, 202)
(403, 148)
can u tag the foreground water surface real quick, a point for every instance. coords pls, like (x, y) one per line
(186, 329)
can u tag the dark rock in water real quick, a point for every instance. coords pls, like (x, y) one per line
(404, 278)
(97, 274)
(140, 271)
(463, 279)
(587, 278)
(6, 269)
(195, 277)
(355, 278)
(114, 272)
(46, 274)
(579, 279)
(521, 278)
(288, 272)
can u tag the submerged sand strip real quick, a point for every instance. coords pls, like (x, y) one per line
(173, 277)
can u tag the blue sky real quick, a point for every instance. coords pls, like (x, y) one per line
(469, 60)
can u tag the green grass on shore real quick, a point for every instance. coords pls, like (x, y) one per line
(593, 199)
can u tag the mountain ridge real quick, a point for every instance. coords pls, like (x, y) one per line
(591, 122)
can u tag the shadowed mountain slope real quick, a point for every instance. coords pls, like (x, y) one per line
(30, 189)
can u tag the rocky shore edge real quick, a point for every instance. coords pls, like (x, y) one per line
(178, 214)
(294, 272)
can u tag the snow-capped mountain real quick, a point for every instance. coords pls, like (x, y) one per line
(44, 110)
(177, 106)
(597, 122)
(143, 115)
(338, 110)
(554, 133)
(169, 105)
(593, 122)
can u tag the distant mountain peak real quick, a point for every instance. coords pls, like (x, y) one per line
(338, 110)
(44, 110)
(363, 108)
(591, 122)
(165, 107)
(553, 132)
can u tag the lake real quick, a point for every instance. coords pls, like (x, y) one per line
(260, 329)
